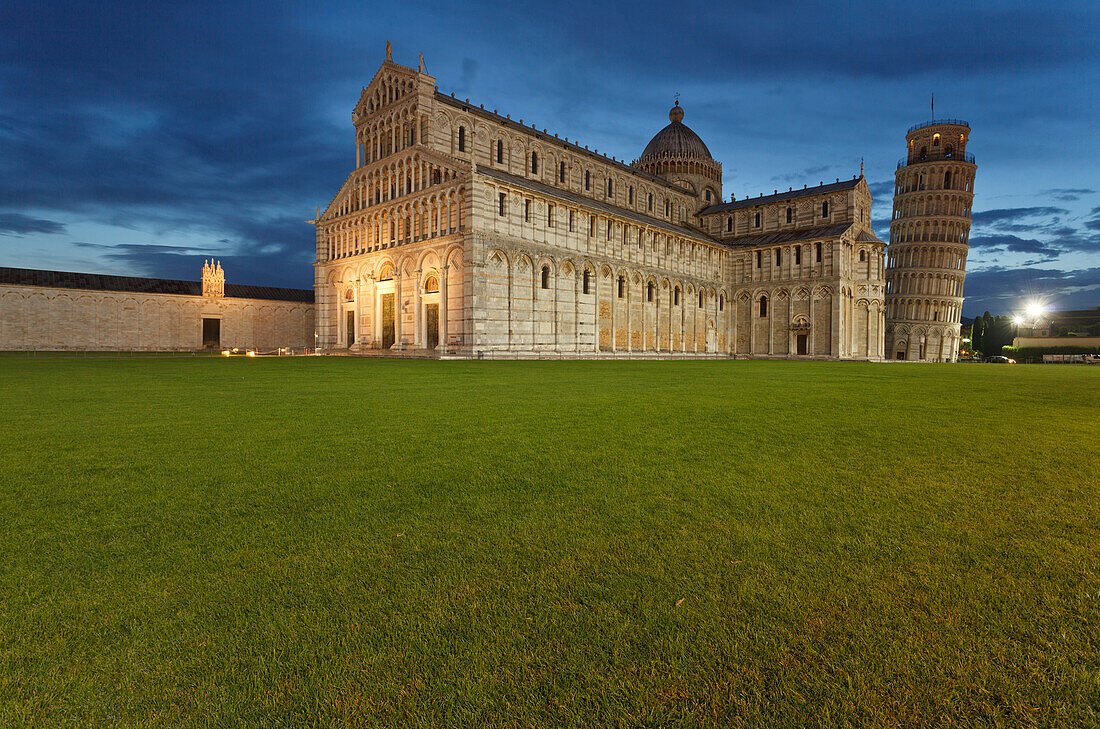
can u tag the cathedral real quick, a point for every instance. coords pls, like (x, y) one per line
(464, 232)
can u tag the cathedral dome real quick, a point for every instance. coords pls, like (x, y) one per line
(676, 140)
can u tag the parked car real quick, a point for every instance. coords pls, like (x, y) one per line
(1000, 360)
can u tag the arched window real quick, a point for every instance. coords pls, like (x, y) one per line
(778, 256)
(729, 224)
(756, 221)
(586, 281)
(825, 209)
(500, 151)
(622, 286)
(630, 195)
(935, 140)
(431, 285)
(502, 204)
(947, 180)
(948, 151)
(700, 299)
(759, 258)
(708, 195)
(863, 255)
(610, 190)
(649, 205)
(561, 173)
(676, 296)
(790, 215)
(587, 180)
(649, 291)
(817, 252)
(798, 255)
(763, 306)
(534, 163)
(462, 139)
(546, 277)
(722, 302)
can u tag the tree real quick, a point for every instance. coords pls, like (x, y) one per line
(977, 330)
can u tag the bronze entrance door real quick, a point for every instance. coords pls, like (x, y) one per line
(211, 333)
(431, 325)
(351, 328)
(387, 321)
(801, 340)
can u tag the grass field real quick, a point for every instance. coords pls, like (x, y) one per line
(333, 541)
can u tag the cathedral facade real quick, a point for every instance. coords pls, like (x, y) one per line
(465, 232)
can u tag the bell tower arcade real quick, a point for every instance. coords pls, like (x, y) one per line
(929, 241)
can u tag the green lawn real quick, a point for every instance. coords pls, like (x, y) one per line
(334, 541)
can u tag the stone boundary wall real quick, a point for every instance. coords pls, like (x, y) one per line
(44, 318)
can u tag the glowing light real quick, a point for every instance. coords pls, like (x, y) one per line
(225, 352)
(251, 353)
(1035, 309)
(1017, 320)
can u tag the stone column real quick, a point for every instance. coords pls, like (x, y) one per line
(614, 311)
(834, 334)
(374, 318)
(771, 322)
(398, 311)
(870, 352)
(358, 312)
(443, 309)
(752, 326)
(596, 308)
(813, 323)
(418, 337)
(629, 319)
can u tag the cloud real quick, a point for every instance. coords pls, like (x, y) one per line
(1004, 289)
(882, 190)
(229, 122)
(19, 224)
(987, 217)
(1014, 244)
(1068, 194)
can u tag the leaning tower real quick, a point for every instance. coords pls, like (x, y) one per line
(929, 238)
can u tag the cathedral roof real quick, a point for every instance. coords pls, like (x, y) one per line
(780, 197)
(780, 237)
(553, 139)
(135, 284)
(586, 202)
(676, 140)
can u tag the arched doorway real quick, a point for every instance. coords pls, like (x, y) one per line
(386, 312)
(800, 331)
(430, 298)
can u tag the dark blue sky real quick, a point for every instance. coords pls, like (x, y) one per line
(140, 139)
